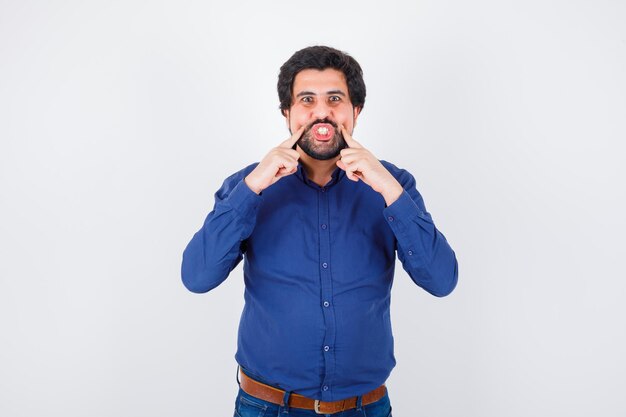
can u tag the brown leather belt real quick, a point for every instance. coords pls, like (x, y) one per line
(275, 395)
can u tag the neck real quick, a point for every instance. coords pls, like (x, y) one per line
(317, 171)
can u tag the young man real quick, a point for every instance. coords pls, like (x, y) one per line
(319, 220)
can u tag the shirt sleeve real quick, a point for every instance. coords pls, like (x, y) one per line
(218, 247)
(423, 250)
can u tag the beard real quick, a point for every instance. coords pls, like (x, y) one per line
(322, 151)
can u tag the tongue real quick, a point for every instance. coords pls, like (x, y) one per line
(330, 131)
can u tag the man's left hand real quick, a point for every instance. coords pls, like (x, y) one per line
(361, 164)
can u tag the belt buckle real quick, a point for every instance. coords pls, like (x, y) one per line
(316, 407)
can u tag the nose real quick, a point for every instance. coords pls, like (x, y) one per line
(321, 110)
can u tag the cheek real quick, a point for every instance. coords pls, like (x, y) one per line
(348, 121)
(299, 118)
(295, 120)
(348, 114)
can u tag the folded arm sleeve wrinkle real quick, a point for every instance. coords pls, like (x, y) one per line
(218, 247)
(423, 250)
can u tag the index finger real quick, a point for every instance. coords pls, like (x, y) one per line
(348, 138)
(293, 139)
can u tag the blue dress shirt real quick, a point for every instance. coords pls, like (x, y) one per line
(318, 270)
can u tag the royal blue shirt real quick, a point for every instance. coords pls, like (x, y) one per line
(318, 269)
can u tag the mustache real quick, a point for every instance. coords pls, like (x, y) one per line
(324, 120)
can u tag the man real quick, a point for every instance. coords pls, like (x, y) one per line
(319, 220)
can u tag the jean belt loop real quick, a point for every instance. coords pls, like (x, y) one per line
(359, 402)
(285, 403)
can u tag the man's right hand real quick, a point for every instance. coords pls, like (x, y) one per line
(278, 163)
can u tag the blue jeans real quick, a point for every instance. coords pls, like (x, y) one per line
(249, 406)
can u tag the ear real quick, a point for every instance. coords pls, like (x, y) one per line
(286, 114)
(357, 111)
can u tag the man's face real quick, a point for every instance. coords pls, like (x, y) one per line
(320, 101)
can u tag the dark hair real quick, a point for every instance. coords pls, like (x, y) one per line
(320, 58)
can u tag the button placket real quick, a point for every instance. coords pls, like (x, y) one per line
(325, 261)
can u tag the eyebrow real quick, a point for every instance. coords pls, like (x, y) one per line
(310, 93)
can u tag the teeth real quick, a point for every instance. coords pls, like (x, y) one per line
(322, 130)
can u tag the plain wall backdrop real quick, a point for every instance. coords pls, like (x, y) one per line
(120, 119)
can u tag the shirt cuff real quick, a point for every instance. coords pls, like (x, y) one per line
(243, 200)
(402, 217)
(404, 208)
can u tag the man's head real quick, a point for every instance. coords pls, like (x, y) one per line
(321, 88)
(320, 58)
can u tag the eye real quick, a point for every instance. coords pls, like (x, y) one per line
(334, 98)
(307, 99)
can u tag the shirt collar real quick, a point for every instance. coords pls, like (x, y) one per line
(336, 176)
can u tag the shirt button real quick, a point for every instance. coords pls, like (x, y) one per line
(390, 218)
(324, 265)
(326, 348)
(410, 252)
(325, 387)
(324, 226)
(326, 303)
(323, 190)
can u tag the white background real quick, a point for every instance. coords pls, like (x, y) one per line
(120, 119)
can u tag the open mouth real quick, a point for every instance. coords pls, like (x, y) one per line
(323, 131)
